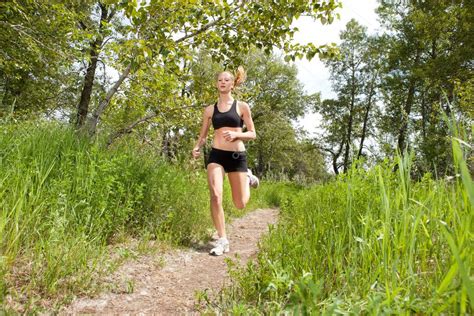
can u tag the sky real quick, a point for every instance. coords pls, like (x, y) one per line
(313, 74)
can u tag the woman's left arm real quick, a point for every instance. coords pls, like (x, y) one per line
(250, 134)
(247, 117)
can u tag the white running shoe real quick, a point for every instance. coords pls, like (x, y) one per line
(253, 180)
(222, 246)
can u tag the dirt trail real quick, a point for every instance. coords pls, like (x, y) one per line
(171, 287)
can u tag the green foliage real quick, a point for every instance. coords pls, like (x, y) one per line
(464, 94)
(153, 45)
(48, 44)
(274, 194)
(370, 242)
(36, 55)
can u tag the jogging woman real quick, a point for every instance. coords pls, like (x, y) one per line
(227, 155)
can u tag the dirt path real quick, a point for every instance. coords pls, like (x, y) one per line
(170, 288)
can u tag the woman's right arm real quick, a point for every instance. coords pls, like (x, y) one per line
(206, 122)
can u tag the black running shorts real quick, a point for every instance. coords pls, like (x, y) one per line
(232, 161)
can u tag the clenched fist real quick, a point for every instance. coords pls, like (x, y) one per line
(196, 152)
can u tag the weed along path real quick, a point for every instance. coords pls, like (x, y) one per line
(171, 286)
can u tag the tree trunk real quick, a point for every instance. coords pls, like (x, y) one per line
(335, 156)
(260, 164)
(366, 118)
(165, 144)
(349, 125)
(407, 109)
(83, 106)
(405, 116)
(334, 164)
(424, 116)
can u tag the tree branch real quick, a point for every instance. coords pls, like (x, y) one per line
(209, 25)
(98, 112)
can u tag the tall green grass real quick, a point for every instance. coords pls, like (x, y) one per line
(370, 242)
(64, 198)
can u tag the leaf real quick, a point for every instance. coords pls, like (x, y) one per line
(448, 278)
(466, 281)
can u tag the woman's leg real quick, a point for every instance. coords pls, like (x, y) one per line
(215, 178)
(239, 183)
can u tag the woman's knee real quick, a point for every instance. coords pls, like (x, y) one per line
(240, 203)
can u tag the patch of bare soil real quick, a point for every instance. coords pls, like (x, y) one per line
(169, 287)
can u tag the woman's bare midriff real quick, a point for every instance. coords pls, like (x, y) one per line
(219, 141)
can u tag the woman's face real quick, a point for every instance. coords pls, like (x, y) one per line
(225, 82)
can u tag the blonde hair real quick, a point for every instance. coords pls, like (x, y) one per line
(238, 77)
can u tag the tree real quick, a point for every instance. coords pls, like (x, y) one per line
(429, 46)
(374, 60)
(354, 78)
(334, 122)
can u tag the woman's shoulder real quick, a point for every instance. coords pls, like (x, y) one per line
(243, 105)
(209, 109)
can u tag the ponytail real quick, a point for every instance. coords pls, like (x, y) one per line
(239, 76)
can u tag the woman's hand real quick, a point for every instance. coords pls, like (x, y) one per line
(230, 136)
(196, 152)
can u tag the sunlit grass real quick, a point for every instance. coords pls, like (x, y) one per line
(64, 198)
(372, 242)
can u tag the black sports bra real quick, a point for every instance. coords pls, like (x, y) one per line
(226, 119)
